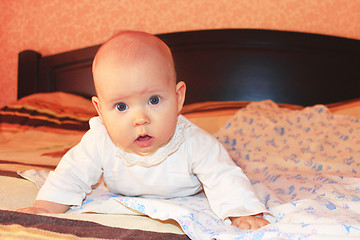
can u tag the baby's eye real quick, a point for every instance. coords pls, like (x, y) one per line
(154, 100)
(121, 107)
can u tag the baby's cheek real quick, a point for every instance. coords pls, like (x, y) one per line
(120, 137)
(166, 131)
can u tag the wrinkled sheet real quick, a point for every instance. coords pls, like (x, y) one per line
(303, 164)
(327, 209)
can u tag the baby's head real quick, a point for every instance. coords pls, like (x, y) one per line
(138, 99)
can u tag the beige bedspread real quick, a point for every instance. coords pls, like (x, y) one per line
(37, 130)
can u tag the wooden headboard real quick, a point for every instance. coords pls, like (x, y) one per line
(225, 65)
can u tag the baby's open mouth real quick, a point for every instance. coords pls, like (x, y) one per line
(144, 141)
(142, 138)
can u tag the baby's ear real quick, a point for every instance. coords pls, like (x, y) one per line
(180, 94)
(96, 102)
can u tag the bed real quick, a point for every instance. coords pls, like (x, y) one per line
(286, 106)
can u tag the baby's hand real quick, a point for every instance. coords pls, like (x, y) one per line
(32, 210)
(42, 206)
(249, 222)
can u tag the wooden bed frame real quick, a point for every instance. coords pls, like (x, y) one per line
(225, 65)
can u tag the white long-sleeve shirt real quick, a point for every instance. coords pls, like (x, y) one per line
(193, 160)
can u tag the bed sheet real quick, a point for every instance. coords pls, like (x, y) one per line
(312, 189)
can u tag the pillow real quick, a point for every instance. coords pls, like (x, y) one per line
(53, 110)
(211, 116)
(351, 108)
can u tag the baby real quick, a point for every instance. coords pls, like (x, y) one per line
(140, 143)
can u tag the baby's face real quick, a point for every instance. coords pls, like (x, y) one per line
(139, 103)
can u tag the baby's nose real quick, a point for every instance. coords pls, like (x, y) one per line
(141, 118)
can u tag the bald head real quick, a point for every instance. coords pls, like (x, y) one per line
(128, 48)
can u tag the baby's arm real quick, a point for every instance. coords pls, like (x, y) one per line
(252, 222)
(41, 206)
(78, 170)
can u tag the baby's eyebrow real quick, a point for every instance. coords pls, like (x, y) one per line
(124, 97)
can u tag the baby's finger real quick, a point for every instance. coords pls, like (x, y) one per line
(32, 210)
(260, 222)
(244, 225)
(26, 210)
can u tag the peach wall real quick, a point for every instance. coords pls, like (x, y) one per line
(52, 26)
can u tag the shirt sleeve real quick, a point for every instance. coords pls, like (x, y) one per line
(78, 170)
(227, 188)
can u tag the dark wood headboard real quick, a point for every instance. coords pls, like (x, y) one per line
(225, 65)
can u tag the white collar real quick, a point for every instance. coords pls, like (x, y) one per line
(130, 159)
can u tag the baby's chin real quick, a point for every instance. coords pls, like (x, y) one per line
(141, 152)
